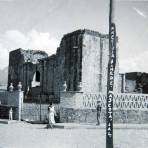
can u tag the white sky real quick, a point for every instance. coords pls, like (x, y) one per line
(40, 24)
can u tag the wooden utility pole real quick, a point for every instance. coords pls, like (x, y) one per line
(110, 80)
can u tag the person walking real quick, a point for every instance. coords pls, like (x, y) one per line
(98, 108)
(51, 114)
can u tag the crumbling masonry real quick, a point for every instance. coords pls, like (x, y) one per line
(81, 59)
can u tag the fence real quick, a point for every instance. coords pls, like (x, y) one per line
(36, 112)
(121, 101)
(81, 107)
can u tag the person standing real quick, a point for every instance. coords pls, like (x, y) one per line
(98, 108)
(51, 113)
(10, 114)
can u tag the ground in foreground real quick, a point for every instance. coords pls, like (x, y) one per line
(24, 135)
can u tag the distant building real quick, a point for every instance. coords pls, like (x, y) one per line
(135, 82)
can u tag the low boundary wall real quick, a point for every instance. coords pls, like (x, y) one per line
(12, 99)
(81, 107)
(37, 111)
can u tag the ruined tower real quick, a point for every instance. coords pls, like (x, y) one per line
(86, 61)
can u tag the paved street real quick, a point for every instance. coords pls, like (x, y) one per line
(25, 135)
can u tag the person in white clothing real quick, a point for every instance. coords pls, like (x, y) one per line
(10, 114)
(51, 113)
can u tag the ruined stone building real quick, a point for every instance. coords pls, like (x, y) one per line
(81, 59)
(136, 82)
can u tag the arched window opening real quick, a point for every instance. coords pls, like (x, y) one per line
(37, 76)
(36, 79)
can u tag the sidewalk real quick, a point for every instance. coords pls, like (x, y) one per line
(6, 121)
(81, 125)
(102, 126)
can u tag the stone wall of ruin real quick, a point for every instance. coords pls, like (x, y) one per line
(95, 63)
(71, 46)
(22, 66)
(16, 61)
(64, 66)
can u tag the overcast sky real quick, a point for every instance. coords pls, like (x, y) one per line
(40, 24)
